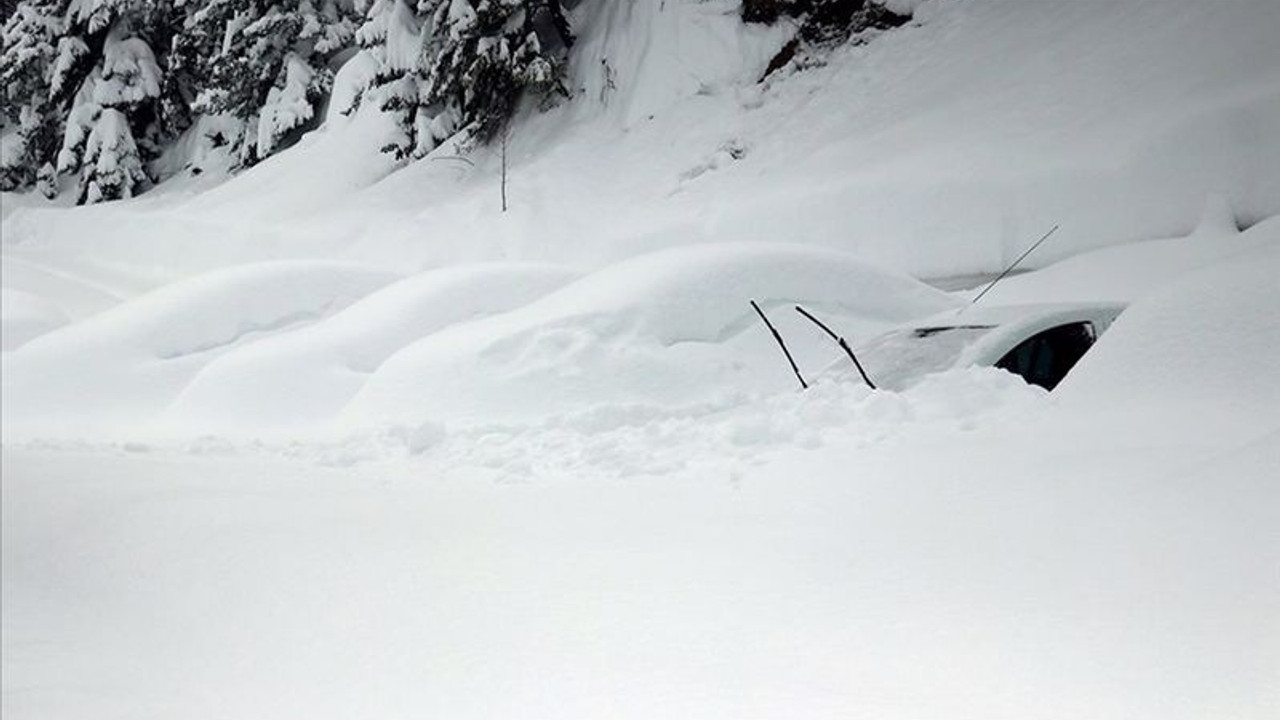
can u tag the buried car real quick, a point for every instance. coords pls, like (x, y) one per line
(1040, 343)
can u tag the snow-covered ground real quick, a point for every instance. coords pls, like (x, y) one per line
(329, 441)
(945, 574)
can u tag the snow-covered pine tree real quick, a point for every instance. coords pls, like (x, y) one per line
(104, 60)
(485, 54)
(392, 34)
(112, 168)
(259, 70)
(266, 65)
(115, 103)
(31, 122)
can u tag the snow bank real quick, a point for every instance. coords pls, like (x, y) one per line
(673, 326)
(114, 370)
(1126, 272)
(300, 378)
(1197, 357)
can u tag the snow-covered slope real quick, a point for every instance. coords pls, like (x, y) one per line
(939, 148)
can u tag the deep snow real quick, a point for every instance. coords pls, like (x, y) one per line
(324, 441)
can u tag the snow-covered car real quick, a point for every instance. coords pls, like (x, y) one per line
(1040, 343)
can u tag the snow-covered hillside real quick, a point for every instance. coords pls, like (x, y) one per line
(330, 438)
(942, 147)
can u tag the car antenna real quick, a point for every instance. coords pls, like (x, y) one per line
(1009, 269)
(781, 344)
(843, 345)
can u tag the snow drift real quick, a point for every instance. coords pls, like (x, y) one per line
(112, 372)
(1197, 356)
(666, 327)
(301, 378)
(26, 316)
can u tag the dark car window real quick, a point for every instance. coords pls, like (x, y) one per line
(1046, 357)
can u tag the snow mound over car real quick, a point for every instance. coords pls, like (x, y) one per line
(670, 327)
(1199, 354)
(121, 366)
(24, 316)
(1125, 272)
(297, 378)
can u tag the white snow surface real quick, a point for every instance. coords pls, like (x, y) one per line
(672, 327)
(1201, 351)
(115, 370)
(24, 316)
(970, 547)
(327, 440)
(305, 377)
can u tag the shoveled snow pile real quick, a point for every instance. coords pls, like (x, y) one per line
(111, 373)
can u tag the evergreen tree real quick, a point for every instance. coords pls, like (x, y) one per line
(31, 120)
(99, 89)
(265, 64)
(392, 34)
(485, 54)
(112, 168)
(115, 103)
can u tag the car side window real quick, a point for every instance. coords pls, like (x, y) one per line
(1045, 358)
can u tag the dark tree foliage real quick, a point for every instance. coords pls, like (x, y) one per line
(97, 91)
(824, 20)
(7, 9)
(30, 36)
(248, 56)
(486, 54)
